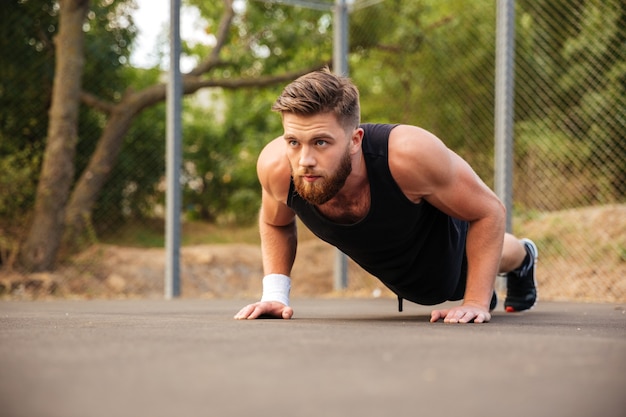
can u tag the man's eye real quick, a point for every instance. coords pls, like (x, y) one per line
(320, 142)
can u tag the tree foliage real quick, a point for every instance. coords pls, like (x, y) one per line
(572, 82)
(236, 60)
(431, 65)
(25, 89)
(426, 62)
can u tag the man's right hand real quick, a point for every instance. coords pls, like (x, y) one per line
(264, 308)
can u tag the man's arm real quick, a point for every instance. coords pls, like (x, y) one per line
(426, 169)
(277, 228)
(278, 237)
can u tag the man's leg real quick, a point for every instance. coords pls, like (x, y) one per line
(519, 258)
(513, 254)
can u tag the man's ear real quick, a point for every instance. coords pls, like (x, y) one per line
(357, 138)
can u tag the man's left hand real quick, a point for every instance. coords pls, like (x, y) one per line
(461, 314)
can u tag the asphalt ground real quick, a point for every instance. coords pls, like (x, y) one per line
(336, 357)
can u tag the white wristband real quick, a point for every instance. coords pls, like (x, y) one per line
(276, 287)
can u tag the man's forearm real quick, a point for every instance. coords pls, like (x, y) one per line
(484, 250)
(278, 247)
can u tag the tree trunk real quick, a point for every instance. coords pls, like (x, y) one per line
(101, 163)
(57, 173)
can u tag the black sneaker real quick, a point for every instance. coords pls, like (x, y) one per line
(494, 302)
(521, 287)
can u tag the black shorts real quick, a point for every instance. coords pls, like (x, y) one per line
(450, 288)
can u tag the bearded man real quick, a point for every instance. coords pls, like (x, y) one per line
(393, 198)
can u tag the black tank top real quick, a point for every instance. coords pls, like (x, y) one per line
(414, 249)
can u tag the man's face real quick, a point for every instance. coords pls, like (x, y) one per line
(320, 155)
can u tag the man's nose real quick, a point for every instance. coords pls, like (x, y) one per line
(307, 157)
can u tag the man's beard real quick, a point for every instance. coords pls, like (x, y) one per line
(324, 189)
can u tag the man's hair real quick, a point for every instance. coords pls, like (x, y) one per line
(322, 92)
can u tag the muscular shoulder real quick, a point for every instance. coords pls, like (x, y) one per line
(273, 170)
(418, 160)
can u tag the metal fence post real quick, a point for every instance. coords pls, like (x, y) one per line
(503, 112)
(173, 158)
(504, 92)
(340, 64)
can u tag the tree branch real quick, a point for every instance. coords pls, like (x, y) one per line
(92, 101)
(149, 96)
(222, 36)
(193, 84)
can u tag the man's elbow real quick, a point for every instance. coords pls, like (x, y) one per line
(499, 212)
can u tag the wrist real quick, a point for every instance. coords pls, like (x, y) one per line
(475, 303)
(276, 287)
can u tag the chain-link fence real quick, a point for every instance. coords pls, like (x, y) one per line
(570, 124)
(429, 63)
(570, 172)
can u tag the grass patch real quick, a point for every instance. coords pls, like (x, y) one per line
(198, 233)
(152, 234)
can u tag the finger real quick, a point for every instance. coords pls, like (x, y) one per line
(287, 313)
(482, 318)
(459, 316)
(474, 317)
(244, 312)
(453, 316)
(435, 315)
(468, 317)
(256, 312)
(240, 314)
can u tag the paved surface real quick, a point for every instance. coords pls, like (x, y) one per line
(335, 358)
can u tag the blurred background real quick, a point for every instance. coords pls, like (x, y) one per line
(77, 183)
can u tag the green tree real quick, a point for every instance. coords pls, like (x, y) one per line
(235, 61)
(570, 88)
(594, 83)
(221, 156)
(430, 64)
(25, 94)
(29, 29)
(243, 44)
(57, 171)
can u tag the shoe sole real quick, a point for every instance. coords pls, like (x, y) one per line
(535, 254)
